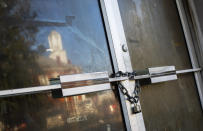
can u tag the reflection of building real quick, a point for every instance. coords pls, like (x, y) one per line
(56, 48)
(57, 62)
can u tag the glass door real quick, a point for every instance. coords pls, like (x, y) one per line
(156, 38)
(40, 41)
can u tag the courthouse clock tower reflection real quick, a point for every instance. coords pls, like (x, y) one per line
(56, 63)
(56, 48)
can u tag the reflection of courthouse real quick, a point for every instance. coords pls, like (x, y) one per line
(57, 62)
(56, 48)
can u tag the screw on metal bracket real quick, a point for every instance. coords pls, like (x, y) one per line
(124, 48)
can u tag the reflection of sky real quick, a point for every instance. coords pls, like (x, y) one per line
(84, 41)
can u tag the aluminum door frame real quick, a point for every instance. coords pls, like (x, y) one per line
(193, 52)
(121, 60)
(197, 29)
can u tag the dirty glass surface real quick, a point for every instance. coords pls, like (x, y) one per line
(155, 38)
(40, 40)
(98, 111)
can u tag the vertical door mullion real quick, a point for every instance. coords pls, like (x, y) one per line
(121, 59)
(191, 48)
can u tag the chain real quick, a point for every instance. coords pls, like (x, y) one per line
(132, 99)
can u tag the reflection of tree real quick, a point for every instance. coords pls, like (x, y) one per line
(17, 57)
(22, 66)
(18, 67)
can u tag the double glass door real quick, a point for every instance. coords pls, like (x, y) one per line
(42, 40)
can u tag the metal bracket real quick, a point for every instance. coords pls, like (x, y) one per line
(161, 74)
(84, 83)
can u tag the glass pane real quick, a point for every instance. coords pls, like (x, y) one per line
(42, 39)
(155, 38)
(98, 111)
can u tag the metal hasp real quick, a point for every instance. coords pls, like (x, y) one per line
(165, 73)
(161, 74)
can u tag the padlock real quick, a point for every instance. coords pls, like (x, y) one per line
(135, 108)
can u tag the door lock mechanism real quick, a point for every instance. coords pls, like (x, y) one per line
(92, 82)
(156, 74)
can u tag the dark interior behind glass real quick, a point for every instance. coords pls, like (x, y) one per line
(155, 38)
